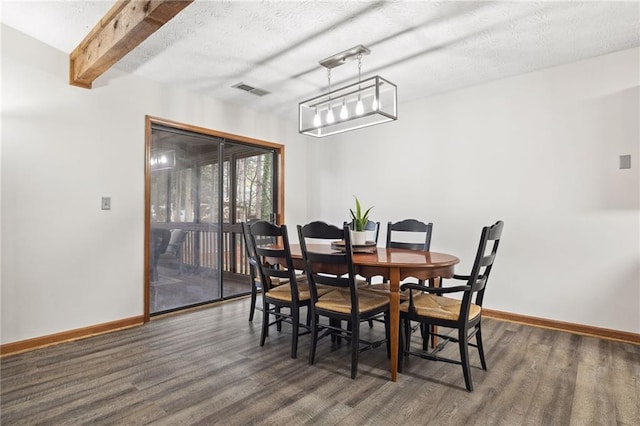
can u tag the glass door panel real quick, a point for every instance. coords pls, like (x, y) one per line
(254, 194)
(251, 195)
(184, 255)
(201, 189)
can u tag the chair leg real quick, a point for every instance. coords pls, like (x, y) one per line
(278, 320)
(401, 339)
(425, 331)
(314, 338)
(355, 348)
(265, 323)
(480, 348)
(387, 333)
(433, 329)
(349, 328)
(335, 338)
(254, 296)
(464, 358)
(407, 334)
(370, 321)
(295, 314)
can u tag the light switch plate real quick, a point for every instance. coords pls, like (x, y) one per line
(625, 161)
(106, 203)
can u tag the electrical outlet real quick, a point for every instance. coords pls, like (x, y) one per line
(106, 203)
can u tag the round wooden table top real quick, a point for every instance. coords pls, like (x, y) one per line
(388, 257)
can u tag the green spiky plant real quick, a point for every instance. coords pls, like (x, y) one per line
(359, 219)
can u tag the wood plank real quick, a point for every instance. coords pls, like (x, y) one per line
(206, 366)
(127, 24)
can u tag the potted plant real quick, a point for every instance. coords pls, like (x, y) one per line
(359, 221)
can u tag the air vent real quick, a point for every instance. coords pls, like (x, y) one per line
(244, 87)
(251, 89)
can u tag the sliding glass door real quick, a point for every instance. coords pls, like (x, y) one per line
(201, 188)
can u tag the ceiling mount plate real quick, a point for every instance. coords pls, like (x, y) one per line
(340, 58)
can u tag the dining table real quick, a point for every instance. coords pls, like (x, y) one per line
(394, 265)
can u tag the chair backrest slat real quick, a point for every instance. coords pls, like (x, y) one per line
(331, 258)
(330, 280)
(275, 253)
(408, 246)
(480, 283)
(395, 232)
(487, 260)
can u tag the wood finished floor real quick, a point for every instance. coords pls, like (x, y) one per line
(206, 367)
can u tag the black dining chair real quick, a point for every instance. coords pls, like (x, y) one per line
(430, 307)
(293, 295)
(254, 274)
(335, 270)
(256, 284)
(408, 234)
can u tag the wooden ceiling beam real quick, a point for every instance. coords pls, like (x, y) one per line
(127, 24)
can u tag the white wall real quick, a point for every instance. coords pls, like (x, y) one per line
(547, 143)
(539, 151)
(66, 264)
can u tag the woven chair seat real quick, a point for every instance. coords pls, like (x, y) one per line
(283, 292)
(429, 305)
(384, 289)
(276, 281)
(340, 301)
(360, 283)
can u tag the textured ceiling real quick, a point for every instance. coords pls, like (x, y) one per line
(424, 47)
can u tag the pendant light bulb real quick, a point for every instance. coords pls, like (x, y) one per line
(316, 119)
(344, 114)
(359, 107)
(330, 117)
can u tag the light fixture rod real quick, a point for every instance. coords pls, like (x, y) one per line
(340, 58)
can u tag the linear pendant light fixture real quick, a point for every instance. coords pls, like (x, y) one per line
(364, 103)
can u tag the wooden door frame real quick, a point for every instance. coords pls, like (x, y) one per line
(149, 122)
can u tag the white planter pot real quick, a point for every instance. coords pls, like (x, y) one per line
(358, 238)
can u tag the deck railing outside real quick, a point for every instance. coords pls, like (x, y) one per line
(200, 248)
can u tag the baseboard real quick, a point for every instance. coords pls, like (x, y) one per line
(82, 333)
(67, 336)
(585, 330)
